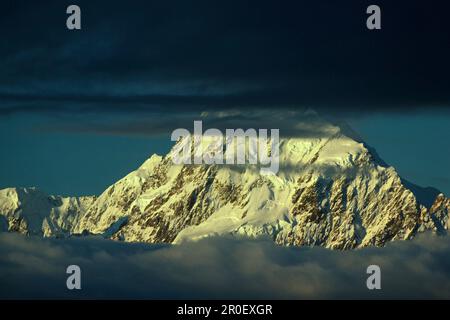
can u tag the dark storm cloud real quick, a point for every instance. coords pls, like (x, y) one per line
(144, 56)
(220, 268)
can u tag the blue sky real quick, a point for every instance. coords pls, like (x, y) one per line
(416, 144)
(68, 163)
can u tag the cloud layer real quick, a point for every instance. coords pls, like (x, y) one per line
(220, 268)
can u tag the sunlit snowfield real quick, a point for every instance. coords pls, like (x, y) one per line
(32, 267)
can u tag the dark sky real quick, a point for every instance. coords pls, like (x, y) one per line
(138, 55)
(159, 60)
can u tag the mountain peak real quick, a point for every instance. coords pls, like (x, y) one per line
(331, 190)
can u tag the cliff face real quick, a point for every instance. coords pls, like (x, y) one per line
(331, 191)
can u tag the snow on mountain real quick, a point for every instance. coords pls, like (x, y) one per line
(331, 190)
(31, 211)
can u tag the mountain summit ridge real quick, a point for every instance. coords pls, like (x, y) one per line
(332, 190)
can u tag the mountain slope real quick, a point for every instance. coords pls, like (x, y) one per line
(331, 190)
(31, 211)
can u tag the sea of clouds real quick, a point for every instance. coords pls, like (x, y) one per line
(214, 268)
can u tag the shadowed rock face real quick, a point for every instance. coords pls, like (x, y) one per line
(331, 191)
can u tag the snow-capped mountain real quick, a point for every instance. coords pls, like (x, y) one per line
(31, 211)
(331, 190)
